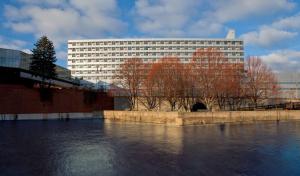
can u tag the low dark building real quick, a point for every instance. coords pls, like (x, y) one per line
(19, 59)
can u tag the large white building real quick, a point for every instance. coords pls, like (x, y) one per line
(289, 85)
(98, 59)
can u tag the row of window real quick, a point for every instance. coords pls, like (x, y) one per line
(147, 54)
(177, 48)
(95, 72)
(96, 60)
(203, 42)
(96, 78)
(102, 68)
(95, 67)
(118, 60)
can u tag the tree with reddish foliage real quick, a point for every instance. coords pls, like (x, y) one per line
(169, 75)
(130, 77)
(188, 84)
(261, 83)
(230, 89)
(150, 90)
(207, 68)
(210, 78)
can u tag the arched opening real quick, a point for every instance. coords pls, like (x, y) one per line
(198, 106)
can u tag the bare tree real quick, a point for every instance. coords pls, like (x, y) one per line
(230, 90)
(169, 76)
(207, 66)
(261, 83)
(209, 78)
(150, 88)
(130, 77)
(187, 84)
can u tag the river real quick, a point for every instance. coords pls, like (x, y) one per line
(93, 147)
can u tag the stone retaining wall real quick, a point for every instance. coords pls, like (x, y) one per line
(197, 118)
(169, 118)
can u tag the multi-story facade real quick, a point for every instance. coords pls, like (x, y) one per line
(289, 85)
(98, 59)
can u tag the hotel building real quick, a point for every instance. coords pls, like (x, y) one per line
(98, 59)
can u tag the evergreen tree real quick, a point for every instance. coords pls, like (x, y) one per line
(43, 58)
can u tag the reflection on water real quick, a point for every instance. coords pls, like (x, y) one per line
(164, 139)
(92, 147)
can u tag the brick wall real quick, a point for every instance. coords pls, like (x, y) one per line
(16, 99)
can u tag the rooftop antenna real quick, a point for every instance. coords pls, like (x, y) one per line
(231, 34)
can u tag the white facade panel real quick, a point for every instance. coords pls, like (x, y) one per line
(98, 59)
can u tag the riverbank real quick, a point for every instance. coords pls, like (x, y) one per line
(199, 118)
(52, 116)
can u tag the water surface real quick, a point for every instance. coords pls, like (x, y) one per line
(92, 147)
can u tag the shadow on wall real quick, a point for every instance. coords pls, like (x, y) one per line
(198, 107)
(121, 103)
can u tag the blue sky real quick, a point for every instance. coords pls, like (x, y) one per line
(270, 28)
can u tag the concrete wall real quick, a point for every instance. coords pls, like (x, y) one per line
(169, 118)
(121, 103)
(197, 118)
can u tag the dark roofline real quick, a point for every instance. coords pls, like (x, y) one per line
(37, 74)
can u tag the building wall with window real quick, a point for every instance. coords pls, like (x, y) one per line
(289, 84)
(14, 58)
(19, 59)
(98, 59)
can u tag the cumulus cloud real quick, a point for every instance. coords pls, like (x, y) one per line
(62, 20)
(283, 60)
(205, 28)
(13, 44)
(47, 2)
(279, 31)
(227, 10)
(267, 36)
(163, 17)
(177, 18)
(292, 22)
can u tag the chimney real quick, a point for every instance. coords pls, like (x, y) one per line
(231, 34)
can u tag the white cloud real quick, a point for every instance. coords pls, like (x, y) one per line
(292, 22)
(283, 60)
(199, 18)
(267, 36)
(13, 44)
(60, 22)
(163, 17)
(279, 31)
(61, 54)
(47, 2)
(227, 10)
(64, 19)
(92, 7)
(223, 11)
(205, 28)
